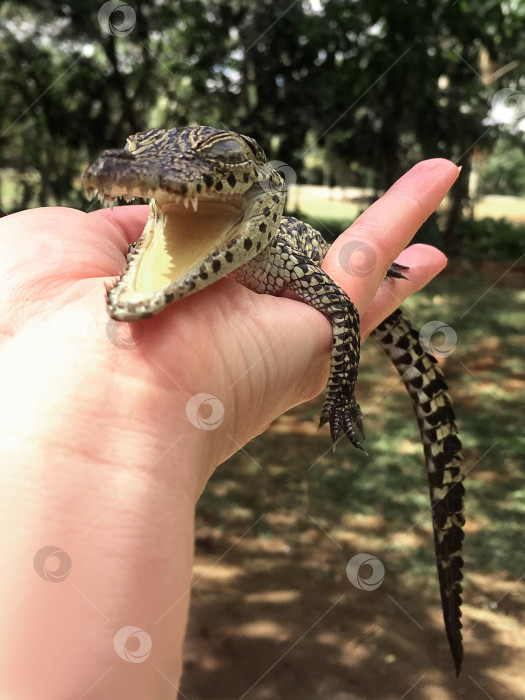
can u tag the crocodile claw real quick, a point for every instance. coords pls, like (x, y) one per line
(395, 271)
(344, 416)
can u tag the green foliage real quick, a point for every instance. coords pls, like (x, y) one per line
(492, 239)
(504, 172)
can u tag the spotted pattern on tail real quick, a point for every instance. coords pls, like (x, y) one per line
(433, 407)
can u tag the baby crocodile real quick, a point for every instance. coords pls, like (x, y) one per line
(216, 209)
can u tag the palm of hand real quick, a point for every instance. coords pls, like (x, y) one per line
(257, 354)
(96, 373)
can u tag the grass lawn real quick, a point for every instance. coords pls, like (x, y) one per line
(496, 207)
(344, 212)
(273, 613)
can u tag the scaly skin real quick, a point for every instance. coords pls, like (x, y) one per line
(427, 389)
(225, 177)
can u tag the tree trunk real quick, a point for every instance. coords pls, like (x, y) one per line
(458, 197)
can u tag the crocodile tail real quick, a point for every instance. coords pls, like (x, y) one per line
(426, 385)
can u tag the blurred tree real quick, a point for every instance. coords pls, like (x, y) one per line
(415, 80)
(371, 86)
(504, 171)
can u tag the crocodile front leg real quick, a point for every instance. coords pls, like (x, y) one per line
(316, 288)
(281, 267)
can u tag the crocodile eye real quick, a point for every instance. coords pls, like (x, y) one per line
(138, 142)
(228, 150)
(254, 146)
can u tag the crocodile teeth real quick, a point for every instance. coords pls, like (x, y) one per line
(186, 203)
(195, 203)
(105, 199)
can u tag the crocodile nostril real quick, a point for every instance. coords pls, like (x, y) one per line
(119, 154)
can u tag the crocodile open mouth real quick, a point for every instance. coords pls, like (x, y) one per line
(180, 235)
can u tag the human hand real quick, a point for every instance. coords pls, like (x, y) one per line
(101, 459)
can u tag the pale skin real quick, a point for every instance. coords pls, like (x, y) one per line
(98, 456)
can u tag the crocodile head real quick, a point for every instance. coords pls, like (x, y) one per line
(215, 202)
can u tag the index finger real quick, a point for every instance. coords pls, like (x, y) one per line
(377, 237)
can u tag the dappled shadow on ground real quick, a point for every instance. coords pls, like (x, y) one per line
(274, 614)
